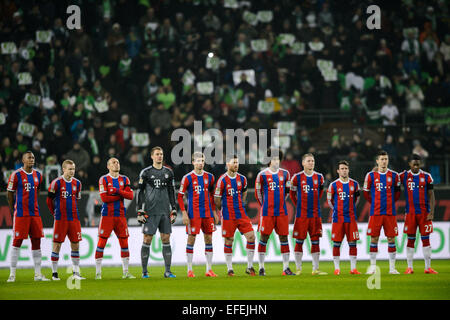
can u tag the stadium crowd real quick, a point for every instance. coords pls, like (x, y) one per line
(134, 67)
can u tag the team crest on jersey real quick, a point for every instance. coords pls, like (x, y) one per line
(74, 188)
(422, 180)
(281, 178)
(352, 189)
(389, 179)
(166, 176)
(239, 183)
(56, 236)
(205, 181)
(121, 183)
(17, 234)
(295, 233)
(315, 181)
(224, 232)
(102, 231)
(193, 229)
(35, 179)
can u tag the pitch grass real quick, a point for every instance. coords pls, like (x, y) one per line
(273, 286)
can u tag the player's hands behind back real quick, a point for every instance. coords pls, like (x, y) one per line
(142, 216)
(173, 216)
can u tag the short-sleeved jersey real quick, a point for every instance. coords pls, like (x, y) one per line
(308, 189)
(342, 198)
(230, 191)
(199, 189)
(67, 194)
(271, 189)
(116, 208)
(381, 187)
(416, 188)
(26, 186)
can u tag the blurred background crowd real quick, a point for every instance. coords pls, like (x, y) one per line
(154, 66)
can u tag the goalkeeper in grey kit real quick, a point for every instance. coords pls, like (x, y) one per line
(156, 208)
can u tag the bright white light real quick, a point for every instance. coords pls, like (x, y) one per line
(210, 55)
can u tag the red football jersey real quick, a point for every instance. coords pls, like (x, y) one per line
(115, 208)
(381, 188)
(230, 191)
(200, 191)
(26, 186)
(271, 189)
(67, 194)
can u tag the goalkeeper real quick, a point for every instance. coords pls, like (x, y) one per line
(156, 208)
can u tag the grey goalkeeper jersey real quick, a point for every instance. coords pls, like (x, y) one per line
(156, 191)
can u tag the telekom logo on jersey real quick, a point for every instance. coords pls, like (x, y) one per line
(213, 143)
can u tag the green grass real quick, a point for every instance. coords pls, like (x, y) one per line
(241, 287)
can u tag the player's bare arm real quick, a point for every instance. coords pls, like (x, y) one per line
(218, 203)
(432, 204)
(10, 196)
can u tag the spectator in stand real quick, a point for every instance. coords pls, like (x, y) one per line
(80, 156)
(290, 164)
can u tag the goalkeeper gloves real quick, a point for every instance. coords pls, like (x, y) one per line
(173, 216)
(142, 216)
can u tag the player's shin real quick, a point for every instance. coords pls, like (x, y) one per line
(315, 253)
(189, 256)
(145, 253)
(392, 255)
(352, 254)
(261, 253)
(426, 249)
(209, 256)
(54, 259)
(298, 253)
(250, 254)
(336, 254)
(373, 253)
(285, 254)
(228, 251)
(75, 255)
(14, 259)
(167, 255)
(410, 250)
(37, 255)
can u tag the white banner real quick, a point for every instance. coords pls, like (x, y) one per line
(8, 48)
(439, 240)
(250, 73)
(140, 139)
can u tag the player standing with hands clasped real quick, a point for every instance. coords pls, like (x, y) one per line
(306, 191)
(201, 212)
(271, 190)
(420, 202)
(156, 208)
(62, 201)
(343, 197)
(114, 188)
(381, 190)
(230, 196)
(23, 193)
